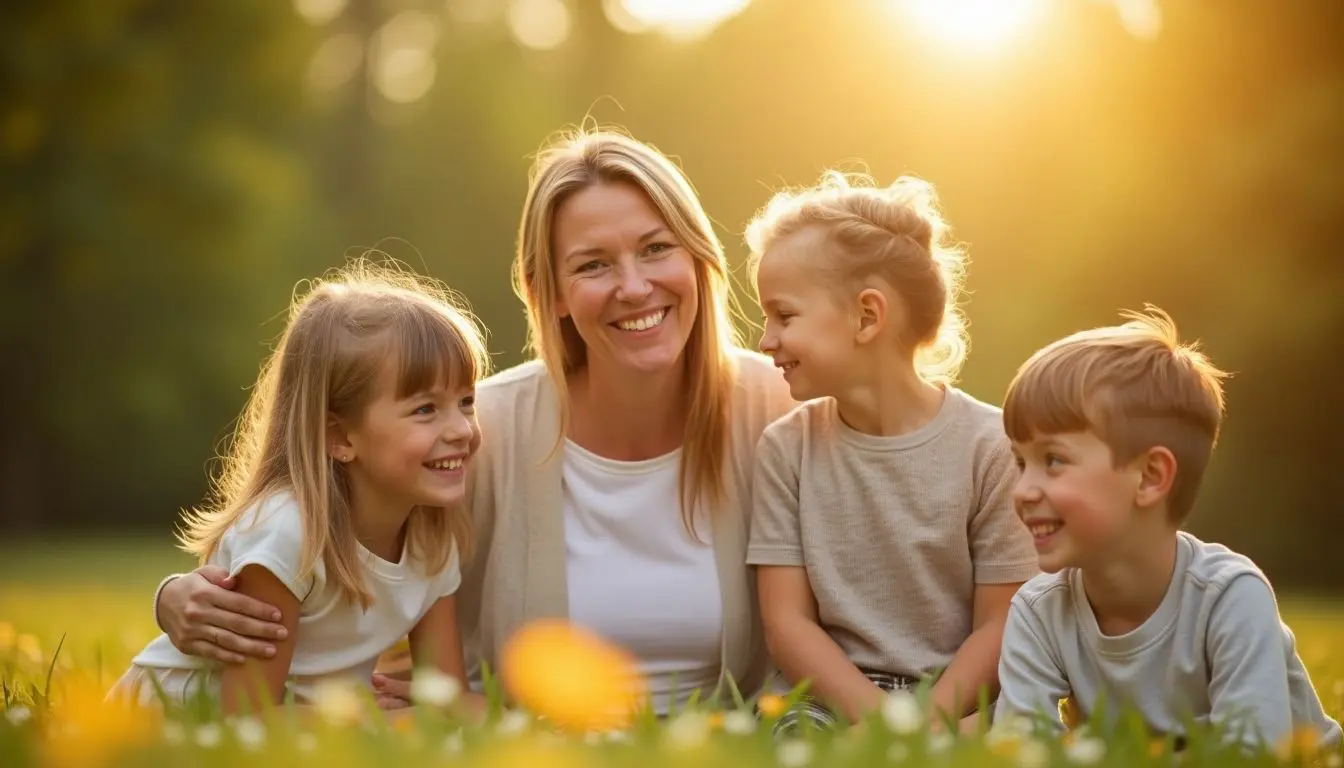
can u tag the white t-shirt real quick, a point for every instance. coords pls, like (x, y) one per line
(335, 638)
(1215, 650)
(636, 577)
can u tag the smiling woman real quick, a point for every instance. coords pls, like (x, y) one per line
(614, 476)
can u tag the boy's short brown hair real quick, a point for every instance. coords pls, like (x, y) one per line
(1134, 386)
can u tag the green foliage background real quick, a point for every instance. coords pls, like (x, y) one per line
(167, 173)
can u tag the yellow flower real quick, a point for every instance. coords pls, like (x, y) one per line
(29, 648)
(1304, 742)
(771, 705)
(716, 720)
(571, 677)
(89, 730)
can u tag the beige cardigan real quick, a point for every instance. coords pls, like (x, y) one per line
(518, 572)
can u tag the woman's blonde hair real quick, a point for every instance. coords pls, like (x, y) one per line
(583, 159)
(339, 336)
(896, 234)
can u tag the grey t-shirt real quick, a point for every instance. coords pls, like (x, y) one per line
(1215, 651)
(894, 532)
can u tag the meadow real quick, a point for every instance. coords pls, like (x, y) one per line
(73, 612)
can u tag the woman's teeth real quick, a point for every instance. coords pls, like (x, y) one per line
(643, 323)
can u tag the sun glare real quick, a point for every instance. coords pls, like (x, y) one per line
(973, 22)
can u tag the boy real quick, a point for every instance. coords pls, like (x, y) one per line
(1112, 429)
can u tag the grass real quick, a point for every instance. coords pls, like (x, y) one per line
(91, 600)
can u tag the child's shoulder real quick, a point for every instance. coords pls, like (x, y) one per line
(278, 510)
(1045, 592)
(1213, 566)
(981, 417)
(272, 522)
(807, 417)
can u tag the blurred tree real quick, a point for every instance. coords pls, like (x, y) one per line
(151, 200)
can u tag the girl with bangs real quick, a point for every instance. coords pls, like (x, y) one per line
(338, 503)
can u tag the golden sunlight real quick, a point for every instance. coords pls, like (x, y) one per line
(677, 18)
(974, 22)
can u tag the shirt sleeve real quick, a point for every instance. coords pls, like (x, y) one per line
(1001, 546)
(1032, 682)
(270, 536)
(776, 538)
(1248, 669)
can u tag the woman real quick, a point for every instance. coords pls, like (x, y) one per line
(613, 484)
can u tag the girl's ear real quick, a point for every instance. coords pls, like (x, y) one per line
(339, 446)
(872, 314)
(1157, 471)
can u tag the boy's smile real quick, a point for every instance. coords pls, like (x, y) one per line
(1071, 497)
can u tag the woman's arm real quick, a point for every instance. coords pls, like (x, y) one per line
(259, 683)
(805, 651)
(204, 615)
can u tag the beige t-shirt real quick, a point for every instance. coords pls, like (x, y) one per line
(895, 532)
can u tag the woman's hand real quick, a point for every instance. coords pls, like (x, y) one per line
(202, 617)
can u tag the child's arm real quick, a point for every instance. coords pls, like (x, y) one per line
(1248, 666)
(975, 664)
(436, 643)
(260, 682)
(1032, 682)
(805, 651)
(798, 644)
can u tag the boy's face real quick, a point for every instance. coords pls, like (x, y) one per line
(1072, 497)
(807, 332)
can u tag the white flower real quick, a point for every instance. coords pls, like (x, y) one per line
(208, 735)
(1015, 725)
(739, 722)
(337, 702)
(940, 742)
(512, 723)
(18, 715)
(430, 686)
(619, 737)
(794, 753)
(250, 733)
(1085, 750)
(687, 730)
(898, 752)
(1033, 754)
(307, 742)
(174, 733)
(453, 744)
(901, 712)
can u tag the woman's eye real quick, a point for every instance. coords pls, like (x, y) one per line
(655, 249)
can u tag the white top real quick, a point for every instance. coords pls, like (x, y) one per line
(335, 638)
(634, 574)
(1214, 649)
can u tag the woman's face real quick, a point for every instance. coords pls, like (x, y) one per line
(624, 280)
